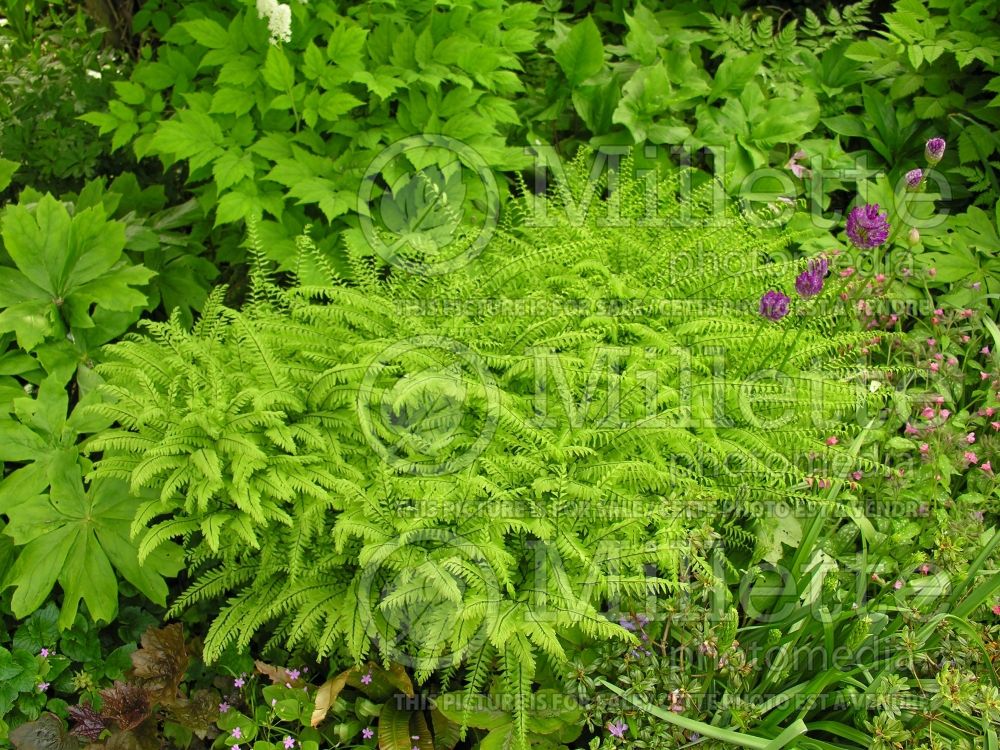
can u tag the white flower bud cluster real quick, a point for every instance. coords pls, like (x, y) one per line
(279, 19)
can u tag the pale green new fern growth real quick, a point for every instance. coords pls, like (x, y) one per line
(455, 471)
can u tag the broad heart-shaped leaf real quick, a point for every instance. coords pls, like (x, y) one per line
(581, 53)
(64, 266)
(48, 733)
(73, 536)
(162, 661)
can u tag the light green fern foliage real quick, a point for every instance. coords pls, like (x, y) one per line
(455, 471)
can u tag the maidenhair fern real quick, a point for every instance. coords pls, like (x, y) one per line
(455, 471)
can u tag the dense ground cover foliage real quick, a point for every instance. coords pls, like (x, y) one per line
(491, 374)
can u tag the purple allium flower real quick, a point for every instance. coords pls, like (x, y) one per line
(367, 733)
(913, 179)
(934, 150)
(367, 679)
(774, 305)
(810, 282)
(618, 730)
(867, 227)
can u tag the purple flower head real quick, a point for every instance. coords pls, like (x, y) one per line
(288, 742)
(626, 623)
(618, 730)
(810, 282)
(44, 653)
(774, 305)
(867, 227)
(366, 679)
(43, 686)
(367, 733)
(914, 178)
(642, 620)
(294, 674)
(237, 733)
(239, 682)
(223, 707)
(934, 150)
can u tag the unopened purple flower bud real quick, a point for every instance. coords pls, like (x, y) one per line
(914, 178)
(934, 150)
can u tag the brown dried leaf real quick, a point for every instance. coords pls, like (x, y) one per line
(327, 695)
(47, 733)
(161, 662)
(278, 675)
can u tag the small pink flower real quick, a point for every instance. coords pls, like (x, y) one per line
(932, 272)
(952, 361)
(939, 311)
(935, 367)
(925, 568)
(832, 440)
(939, 400)
(367, 679)
(988, 411)
(239, 682)
(879, 278)
(847, 272)
(945, 413)
(367, 733)
(911, 430)
(293, 674)
(984, 376)
(897, 585)
(857, 476)
(931, 342)
(967, 314)
(971, 457)
(927, 413)
(924, 447)
(288, 742)
(985, 350)
(42, 687)
(987, 467)
(237, 733)
(223, 707)
(44, 653)
(966, 338)
(938, 356)
(995, 425)
(996, 609)
(970, 438)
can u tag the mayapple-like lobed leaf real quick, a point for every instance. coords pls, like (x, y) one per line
(64, 265)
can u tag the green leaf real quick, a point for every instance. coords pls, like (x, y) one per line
(394, 728)
(7, 170)
(207, 33)
(232, 167)
(581, 54)
(278, 72)
(735, 73)
(333, 104)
